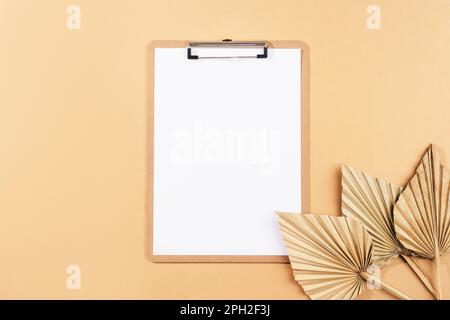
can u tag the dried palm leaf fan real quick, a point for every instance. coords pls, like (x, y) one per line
(371, 201)
(330, 256)
(421, 214)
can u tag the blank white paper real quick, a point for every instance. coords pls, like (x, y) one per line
(227, 152)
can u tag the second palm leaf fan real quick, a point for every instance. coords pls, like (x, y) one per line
(371, 201)
(422, 212)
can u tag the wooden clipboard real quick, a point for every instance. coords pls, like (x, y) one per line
(305, 156)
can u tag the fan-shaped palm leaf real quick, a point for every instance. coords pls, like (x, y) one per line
(421, 214)
(371, 201)
(330, 256)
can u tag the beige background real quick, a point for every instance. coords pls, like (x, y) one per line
(72, 129)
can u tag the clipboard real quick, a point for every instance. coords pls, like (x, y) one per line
(190, 48)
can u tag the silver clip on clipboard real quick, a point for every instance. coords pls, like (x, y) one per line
(227, 43)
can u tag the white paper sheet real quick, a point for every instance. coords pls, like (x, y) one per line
(226, 152)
